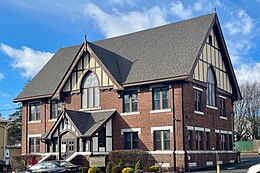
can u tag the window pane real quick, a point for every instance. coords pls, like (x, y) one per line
(31, 144)
(59, 108)
(53, 109)
(84, 98)
(166, 137)
(90, 80)
(127, 140)
(126, 103)
(90, 98)
(135, 140)
(195, 101)
(157, 139)
(96, 97)
(134, 102)
(37, 145)
(190, 139)
(199, 101)
(32, 112)
(156, 99)
(38, 111)
(165, 99)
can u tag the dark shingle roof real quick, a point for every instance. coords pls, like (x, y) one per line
(89, 122)
(158, 53)
(50, 76)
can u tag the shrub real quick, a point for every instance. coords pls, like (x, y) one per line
(128, 170)
(84, 169)
(154, 168)
(138, 165)
(21, 162)
(128, 156)
(94, 170)
(109, 167)
(116, 169)
(121, 164)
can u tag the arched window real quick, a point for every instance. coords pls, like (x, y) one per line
(211, 88)
(90, 91)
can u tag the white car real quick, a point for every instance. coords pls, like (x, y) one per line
(254, 169)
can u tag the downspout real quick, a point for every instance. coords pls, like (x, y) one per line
(173, 130)
(183, 128)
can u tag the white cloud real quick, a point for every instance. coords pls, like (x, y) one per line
(28, 60)
(123, 2)
(249, 73)
(119, 23)
(4, 95)
(178, 9)
(2, 76)
(242, 23)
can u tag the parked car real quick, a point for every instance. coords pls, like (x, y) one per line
(254, 169)
(54, 167)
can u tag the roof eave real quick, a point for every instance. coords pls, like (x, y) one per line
(21, 99)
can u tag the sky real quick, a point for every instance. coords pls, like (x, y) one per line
(31, 31)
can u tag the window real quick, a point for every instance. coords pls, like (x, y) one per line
(197, 101)
(230, 142)
(224, 141)
(90, 91)
(34, 145)
(208, 140)
(56, 108)
(102, 137)
(199, 140)
(190, 139)
(211, 89)
(160, 98)
(131, 140)
(130, 103)
(162, 139)
(210, 39)
(217, 141)
(34, 111)
(223, 107)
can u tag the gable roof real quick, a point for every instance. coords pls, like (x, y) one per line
(163, 53)
(50, 76)
(86, 123)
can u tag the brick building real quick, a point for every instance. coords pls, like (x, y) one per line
(168, 90)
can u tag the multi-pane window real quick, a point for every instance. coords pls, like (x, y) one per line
(190, 139)
(199, 140)
(217, 141)
(90, 91)
(160, 98)
(208, 140)
(130, 140)
(211, 88)
(223, 107)
(224, 141)
(102, 137)
(34, 145)
(230, 142)
(34, 111)
(130, 102)
(197, 101)
(162, 139)
(56, 109)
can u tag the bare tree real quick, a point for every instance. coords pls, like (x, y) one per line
(246, 112)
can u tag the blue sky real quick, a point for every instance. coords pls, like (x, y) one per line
(31, 31)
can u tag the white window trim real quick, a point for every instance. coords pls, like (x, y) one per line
(160, 111)
(52, 120)
(131, 130)
(216, 131)
(161, 128)
(189, 127)
(158, 86)
(161, 152)
(90, 109)
(230, 133)
(130, 113)
(212, 107)
(199, 112)
(35, 121)
(199, 129)
(223, 97)
(207, 130)
(34, 136)
(224, 118)
(197, 88)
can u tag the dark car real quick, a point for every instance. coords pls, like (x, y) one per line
(54, 167)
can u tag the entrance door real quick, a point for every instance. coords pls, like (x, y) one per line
(68, 147)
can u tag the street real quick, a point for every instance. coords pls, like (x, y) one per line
(247, 160)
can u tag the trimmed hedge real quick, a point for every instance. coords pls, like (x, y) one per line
(154, 168)
(130, 157)
(128, 170)
(94, 170)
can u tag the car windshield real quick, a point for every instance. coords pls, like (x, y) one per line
(64, 163)
(37, 166)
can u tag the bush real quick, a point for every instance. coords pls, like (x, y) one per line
(128, 170)
(109, 167)
(121, 164)
(84, 169)
(94, 170)
(138, 165)
(116, 169)
(128, 156)
(154, 168)
(21, 162)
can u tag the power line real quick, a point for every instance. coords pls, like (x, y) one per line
(3, 110)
